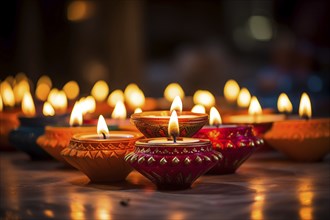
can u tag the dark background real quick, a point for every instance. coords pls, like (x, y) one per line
(200, 44)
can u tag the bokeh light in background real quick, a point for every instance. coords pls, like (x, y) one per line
(267, 46)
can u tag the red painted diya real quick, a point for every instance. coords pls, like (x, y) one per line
(102, 160)
(235, 143)
(155, 123)
(173, 166)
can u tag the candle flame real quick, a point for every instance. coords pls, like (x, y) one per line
(284, 104)
(120, 111)
(43, 91)
(173, 90)
(255, 108)
(87, 104)
(215, 118)
(102, 127)
(198, 109)
(58, 100)
(173, 125)
(231, 90)
(100, 90)
(115, 96)
(244, 98)
(71, 89)
(176, 104)
(305, 107)
(134, 96)
(48, 109)
(28, 107)
(7, 94)
(138, 110)
(20, 89)
(76, 117)
(45, 80)
(204, 97)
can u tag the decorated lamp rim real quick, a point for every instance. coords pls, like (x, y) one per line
(120, 136)
(165, 116)
(199, 143)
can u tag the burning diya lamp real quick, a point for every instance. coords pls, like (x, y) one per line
(32, 126)
(261, 122)
(155, 123)
(235, 142)
(306, 139)
(173, 163)
(101, 156)
(8, 115)
(56, 138)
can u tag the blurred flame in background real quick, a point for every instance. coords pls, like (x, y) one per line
(7, 94)
(244, 98)
(173, 90)
(100, 90)
(71, 89)
(80, 10)
(116, 96)
(204, 97)
(231, 90)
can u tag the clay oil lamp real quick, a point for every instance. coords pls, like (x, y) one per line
(305, 139)
(56, 138)
(261, 122)
(155, 123)
(134, 98)
(235, 142)
(173, 163)
(8, 115)
(100, 156)
(32, 126)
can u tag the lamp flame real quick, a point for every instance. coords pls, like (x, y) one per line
(231, 90)
(176, 104)
(120, 111)
(100, 90)
(102, 127)
(255, 108)
(134, 96)
(28, 107)
(48, 109)
(71, 89)
(20, 89)
(138, 110)
(173, 125)
(244, 98)
(173, 90)
(7, 94)
(76, 117)
(305, 107)
(58, 100)
(284, 104)
(198, 109)
(204, 97)
(115, 96)
(215, 118)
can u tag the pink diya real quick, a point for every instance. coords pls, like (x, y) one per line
(306, 140)
(173, 164)
(101, 156)
(235, 142)
(155, 123)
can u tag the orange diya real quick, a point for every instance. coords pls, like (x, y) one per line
(56, 138)
(101, 156)
(301, 140)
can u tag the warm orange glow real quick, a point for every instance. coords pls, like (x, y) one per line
(45, 80)
(48, 109)
(134, 96)
(20, 89)
(284, 104)
(52, 96)
(305, 107)
(58, 100)
(28, 107)
(138, 110)
(10, 79)
(21, 76)
(49, 213)
(306, 196)
(42, 91)
(7, 94)
(119, 111)
(80, 10)
(255, 108)
(102, 127)
(115, 96)
(76, 117)
(71, 89)
(1, 104)
(173, 125)
(215, 118)
(231, 90)
(100, 90)
(173, 90)
(244, 98)
(198, 109)
(204, 97)
(176, 104)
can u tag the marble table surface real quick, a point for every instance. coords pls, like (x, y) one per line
(267, 186)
